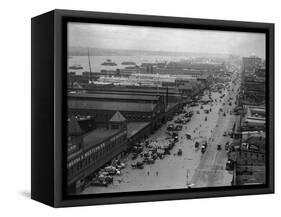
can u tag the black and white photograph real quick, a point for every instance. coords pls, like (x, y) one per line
(157, 108)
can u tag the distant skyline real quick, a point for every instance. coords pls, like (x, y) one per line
(165, 39)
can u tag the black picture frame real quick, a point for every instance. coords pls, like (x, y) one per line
(48, 37)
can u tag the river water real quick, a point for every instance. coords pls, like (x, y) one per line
(96, 61)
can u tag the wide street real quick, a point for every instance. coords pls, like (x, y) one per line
(193, 168)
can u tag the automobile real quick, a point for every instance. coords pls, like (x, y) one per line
(206, 111)
(168, 138)
(224, 133)
(201, 107)
(184, 121)
(135, 156)
(230, 104)
(203, 149)
(196, 144)
(110, 169)
(109, 179)
(226, 146)
(219, 147)
(170, 118)
(187, 115)
(171, 127)
(206, 118)
(99, 183)
(149, 160)
(194, 104)
(171, 145)
(178, 121)
(121, 166)
(178, 127)
(188, 136)
(167, 151)
(179, 152)
(137, 165)
(102, 180)
(224, 114)
(229, 165)
(137, 149)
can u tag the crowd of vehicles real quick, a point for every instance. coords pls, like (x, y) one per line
(147, 152)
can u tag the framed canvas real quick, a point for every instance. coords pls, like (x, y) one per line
(135, 108)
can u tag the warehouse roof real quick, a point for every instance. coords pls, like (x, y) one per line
(133, 90)
(97, 136)
(108, 105)
(112, 96)
(135, 127)
(186, 86)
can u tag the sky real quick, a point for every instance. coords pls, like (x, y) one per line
(165, 39)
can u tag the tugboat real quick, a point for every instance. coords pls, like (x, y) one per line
(75, 67)
(108, 62)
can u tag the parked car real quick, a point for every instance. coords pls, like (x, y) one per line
(179, 152)
(226, 146)
(178, 127)
(137, 165)
(171, 127)
(229, 165)
(188, 136)
(203, 149)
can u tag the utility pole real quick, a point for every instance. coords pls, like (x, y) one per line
(90, 74)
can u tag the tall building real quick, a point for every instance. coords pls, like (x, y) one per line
(250, 64)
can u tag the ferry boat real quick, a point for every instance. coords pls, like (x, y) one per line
(109, 62)
(75, 67)
(128, 63)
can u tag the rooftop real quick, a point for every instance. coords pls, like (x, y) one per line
(111, 106)
(97, 136)
(135, 127)
(112, 96)
(186, 86)
(117, 117)
(256, 121)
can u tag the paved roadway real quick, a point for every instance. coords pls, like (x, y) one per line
(211, 169)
